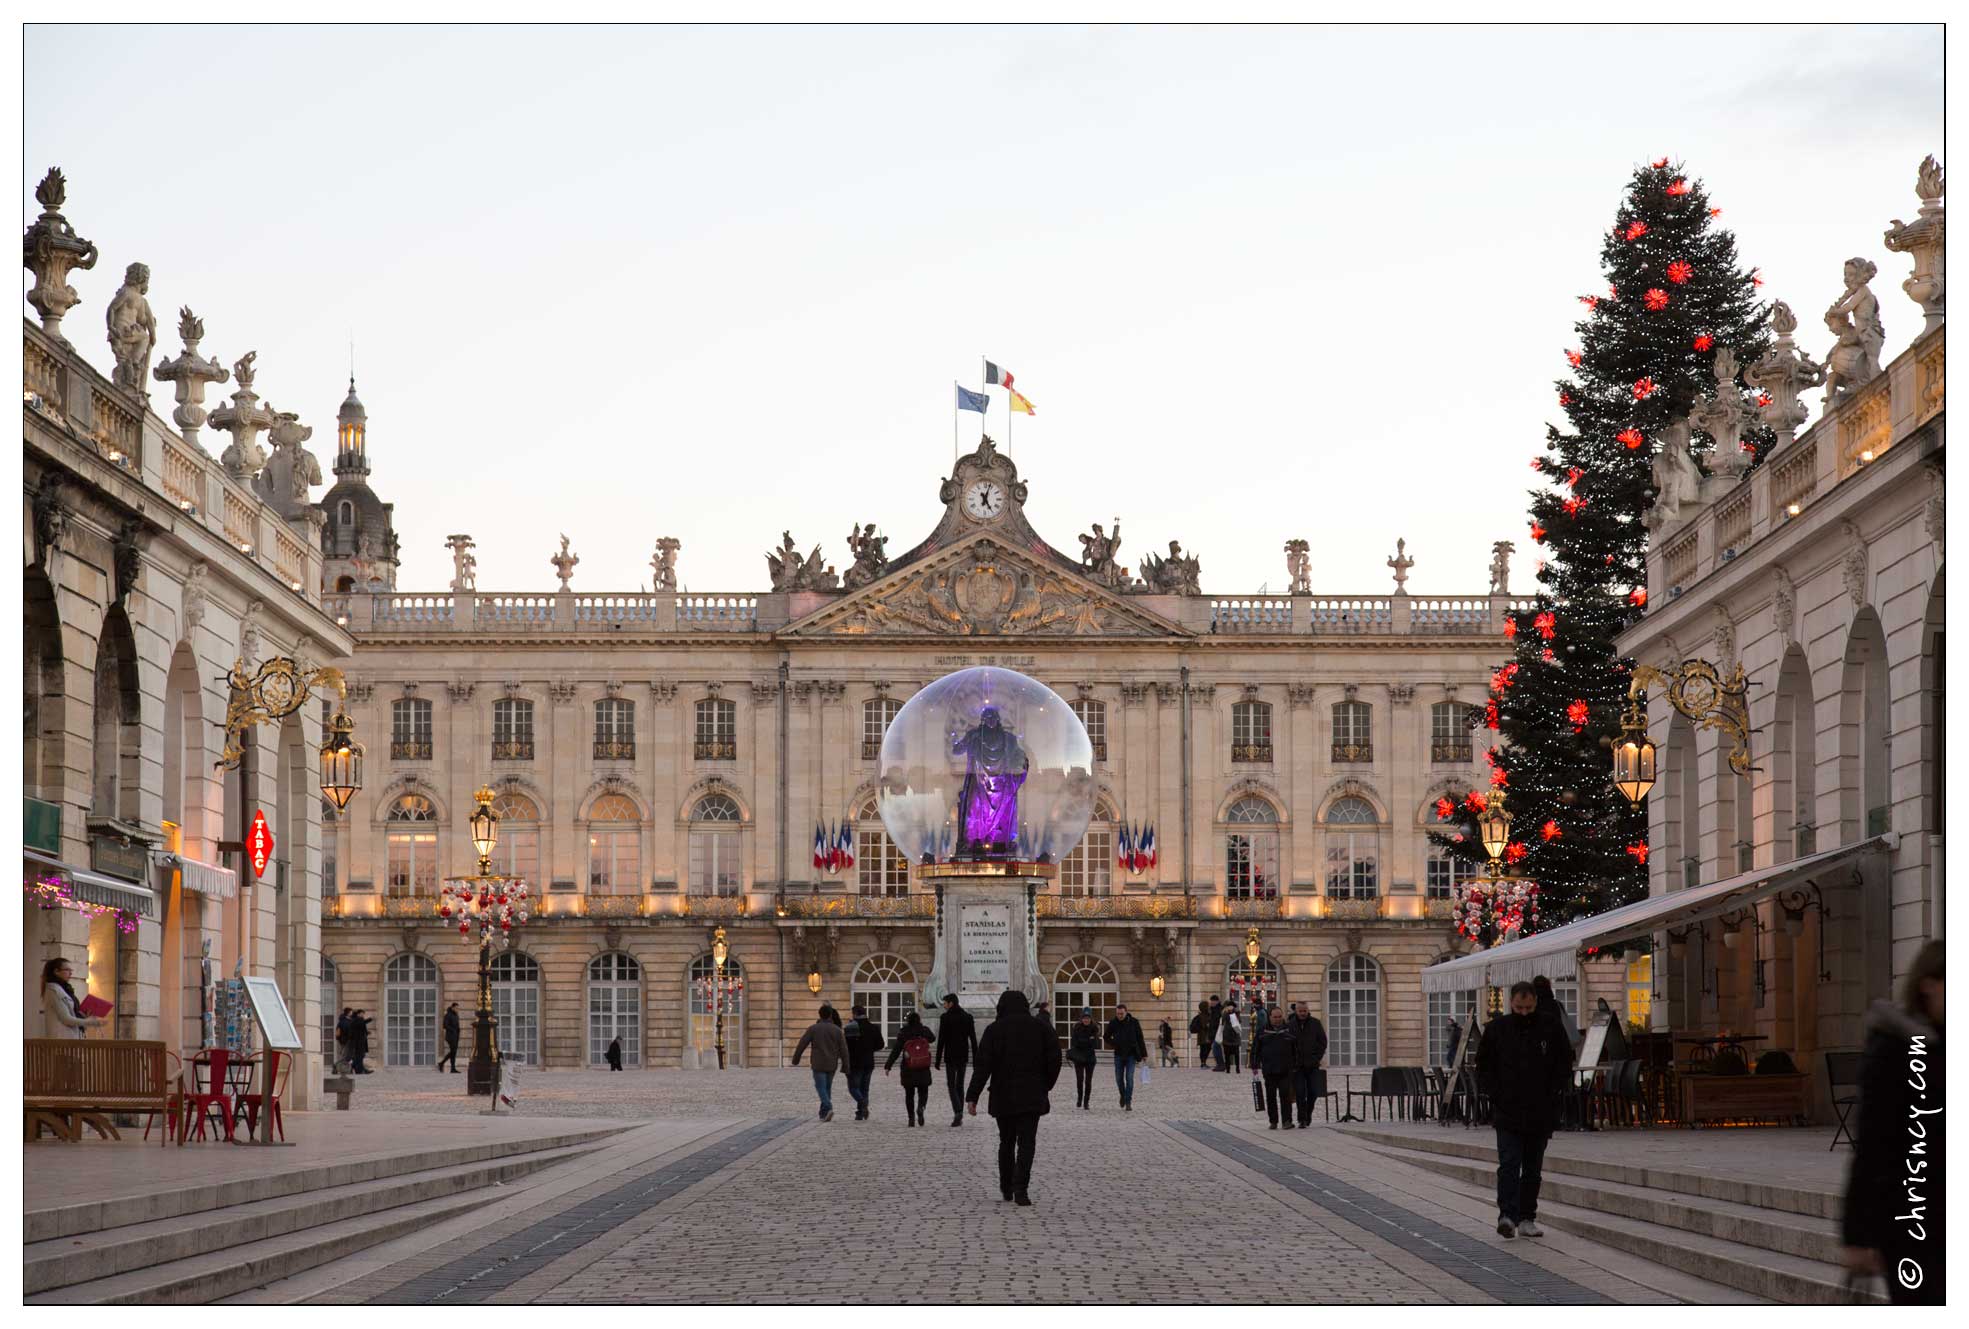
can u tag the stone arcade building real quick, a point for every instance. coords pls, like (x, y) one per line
(661, 761)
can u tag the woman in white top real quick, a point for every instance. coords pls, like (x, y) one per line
(60, 1008)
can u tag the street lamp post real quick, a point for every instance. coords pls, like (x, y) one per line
(491, 904)
(719, 951)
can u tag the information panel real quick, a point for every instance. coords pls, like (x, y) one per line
(984, 941)
(270, 1009)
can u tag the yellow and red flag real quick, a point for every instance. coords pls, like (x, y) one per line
(1018, 402)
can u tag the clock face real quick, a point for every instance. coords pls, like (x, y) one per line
(984, 500)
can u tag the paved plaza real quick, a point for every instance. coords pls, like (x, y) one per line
(724, 1186)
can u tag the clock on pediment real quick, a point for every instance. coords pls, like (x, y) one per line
(985, 487)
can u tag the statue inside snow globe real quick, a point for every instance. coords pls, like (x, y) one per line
(988, 802)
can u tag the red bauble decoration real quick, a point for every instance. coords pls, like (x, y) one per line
(1547, 624)
(1565, 398)
(1630, 436)
(1547, 656)
(1550, 830)
(1573, 358)
(1515, 851)
(1642, 387)
(1703, 341)
(1639, 595)
(1680, 271)
(1639, 849)
(1677, 187)
(1576, 712)
(1655, 299)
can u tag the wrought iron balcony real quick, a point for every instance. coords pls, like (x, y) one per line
(615, 749)
(1247, 907)
(714, 906)
(1439, 907)
(611, 906)
(1100, 749)
(410, 749)
(919, 905)
(871, 748)
(723, 749)
(518, 749)
(1117, 906)
(1353, 752)
(1251, 752)
(1358, 911)
(1451, 751)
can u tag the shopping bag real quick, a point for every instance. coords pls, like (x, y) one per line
(1257, 1096)
(1142, 1074)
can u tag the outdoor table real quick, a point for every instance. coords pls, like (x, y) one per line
(1701, 1050)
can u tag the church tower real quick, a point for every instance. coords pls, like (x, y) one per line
(359, 541)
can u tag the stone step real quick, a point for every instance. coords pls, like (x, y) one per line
(1749, 1225)
(1772, 1275)
(220, 1273)
(176, 1201)
(82, 1257)
(1477, 1144)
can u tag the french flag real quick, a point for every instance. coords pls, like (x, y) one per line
(1148, 847)
(820, 848)
(1124, 854)
(844, 855)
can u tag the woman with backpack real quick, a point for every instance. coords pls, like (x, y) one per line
(1082, 1041)
(912, 1046)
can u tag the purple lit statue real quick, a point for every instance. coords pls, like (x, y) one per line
(988, 804)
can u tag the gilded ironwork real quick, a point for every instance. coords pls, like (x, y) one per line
(1244, 908)
(1353, 752)
(1116, 906)
(1353, 910)
(1702, 693)
(919, 905)
(275, 691)
(1251, 752)
(713, 906)
(613, 906)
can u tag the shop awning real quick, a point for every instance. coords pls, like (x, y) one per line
(97, 888)
(1554, 953)
(208, 879)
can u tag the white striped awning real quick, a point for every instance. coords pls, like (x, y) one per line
(97, 888)
(208, 879)
(1554, 954)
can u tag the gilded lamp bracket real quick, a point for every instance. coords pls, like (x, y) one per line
(1700, 691)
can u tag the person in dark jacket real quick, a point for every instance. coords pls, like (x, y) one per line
(1019, 1061)
(915, 1079)
(957, 1044)
(1893, 1224)
(1549, 1006)
(450, 1038)
(1202, 1030)
(1083, 1045)
(359, 1040)
(1271, 1055)
(342, 1039)
(1213, 1036)
(1124, 1036)
(830, 1047)
(1308, 1051)
(1230, 1035)
(864, 1041)
(614, 1054)
(1524, 1065)
(1165, 1044)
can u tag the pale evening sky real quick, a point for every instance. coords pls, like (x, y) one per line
(1260, 282)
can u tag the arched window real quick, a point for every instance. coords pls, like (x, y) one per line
(1084, 981)
(886, 985)
(410, 1011)
(1251, 731)
(516, 1006)
(714, 844)
(1449, 1010)
(1263, 983)
(1088, 868)
(1251, 850)
(118, 722)
(517, 854)
(1794, 750)
(717, 730)
(345, 514)
(1449, 731)
(615, 846)
(877, 714)
(411, 847)
(706, 998)
(1093, 717)
(331, 1009)
(1353, 839)
(1353, 731)
(1353, 1011)
(880, 868)
(615, 1008)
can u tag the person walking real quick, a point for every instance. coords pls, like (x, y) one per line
(342, 1041)
(1523, 1064)
(864, 1041)
(912, 1045)
(1893, 1223)
(1083, 1040)
(359, 1040)
(1213, 1034)
(1019, 1061)
(1165, 1045)
(1308, 1051)
(1271, 1056)
(957, 1045)
(614, 1053)
(450, 1039)
(1229, 1036)
(61, 1009)
(830, 1047)
(1202, 1030)
(1124, 1036)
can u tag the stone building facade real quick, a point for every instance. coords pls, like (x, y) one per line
(149, 569)
(1821, 573)
(662, 759)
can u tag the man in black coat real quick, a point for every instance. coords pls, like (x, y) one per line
(450, 1039)
(1019, 1059)
(957, 1044)
(1124, 1037)
(864, 1041)
(1272, 1053)
(1212, 1043)
(1524, 1066)
(1308, 1051)
(1202, 1029)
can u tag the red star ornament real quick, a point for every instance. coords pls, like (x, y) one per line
(1703, 341)
(1642, 387)
(1655, 299)
(1680, 271)
(1629, 436)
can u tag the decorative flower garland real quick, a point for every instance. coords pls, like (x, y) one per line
(55, 893)
(1502, 906)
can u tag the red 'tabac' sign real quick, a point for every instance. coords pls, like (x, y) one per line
(259, 844)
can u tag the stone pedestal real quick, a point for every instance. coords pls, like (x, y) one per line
(987, 933)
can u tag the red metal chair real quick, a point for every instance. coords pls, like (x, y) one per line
(214, 1095)
(174, 1076)
(249, 1104)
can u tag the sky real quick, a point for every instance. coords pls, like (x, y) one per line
(717, 282)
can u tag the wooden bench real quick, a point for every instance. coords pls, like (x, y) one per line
(69, 1082)
(1786, 1098)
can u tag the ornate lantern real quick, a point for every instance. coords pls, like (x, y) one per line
(1494, 826)
(341, 761)
(485, 827)
(1634, 756)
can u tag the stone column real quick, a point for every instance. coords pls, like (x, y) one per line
(1923, 239)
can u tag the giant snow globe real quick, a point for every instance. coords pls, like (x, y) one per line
(986, 766)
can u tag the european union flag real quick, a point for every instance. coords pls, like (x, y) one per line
(970, 401)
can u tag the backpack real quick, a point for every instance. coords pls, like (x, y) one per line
(916, 1054)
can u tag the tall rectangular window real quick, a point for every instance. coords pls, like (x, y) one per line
(412, 863)
(615, 861)
(1444, 874)
(1449, 731)
(1094, 716)
(1251, 731)
(1089, 868)
(880, 868)
(717, 730)
(615, 729)
(410, 729)
(876, 717)
(1353, 731)
(512, 730)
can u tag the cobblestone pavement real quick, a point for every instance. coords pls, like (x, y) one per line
(1182, 1201)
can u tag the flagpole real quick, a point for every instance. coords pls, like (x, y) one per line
(954, 424)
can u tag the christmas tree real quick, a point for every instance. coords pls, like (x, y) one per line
(1674, 298)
